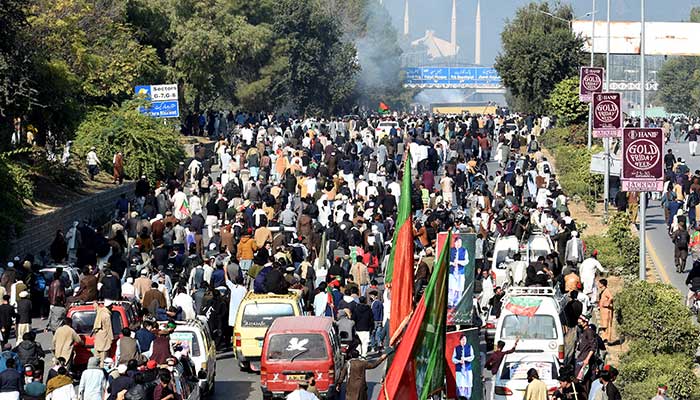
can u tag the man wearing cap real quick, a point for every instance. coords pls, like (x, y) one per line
(102, 329)
(24, 314)
(142, 284)
(588, 269)
(123, 382)
(92, 163)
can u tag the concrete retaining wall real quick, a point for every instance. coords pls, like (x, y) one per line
(40, 231)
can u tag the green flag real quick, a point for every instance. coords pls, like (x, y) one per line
(402, 216)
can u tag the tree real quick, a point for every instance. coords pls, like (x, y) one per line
(538, 52)
(679, 85)
(150, 148)
(564, 104)
(213, 47)
(94, 41)
(17, 93)
(321, 73)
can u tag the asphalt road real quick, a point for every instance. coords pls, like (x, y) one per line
(659, 246)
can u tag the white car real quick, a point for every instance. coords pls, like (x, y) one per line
(196, 336)
(384, 128)
(541, 332)
(511, 380)
(70, 278)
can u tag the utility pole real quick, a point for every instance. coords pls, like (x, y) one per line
(606, 141)
(642, 124)
(590, 104)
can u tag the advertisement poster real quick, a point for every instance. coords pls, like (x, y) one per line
(607, 115)
(591, 81)
(463, 374)
(642, 162)
(460, 277)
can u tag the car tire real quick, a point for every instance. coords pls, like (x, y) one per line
(244, 366)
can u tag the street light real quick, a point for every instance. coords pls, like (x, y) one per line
(568, 21)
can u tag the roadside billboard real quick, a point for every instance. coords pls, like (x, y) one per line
(460, 287)
(590, 81)
(662, 38)
(642, 161)
(607, 115)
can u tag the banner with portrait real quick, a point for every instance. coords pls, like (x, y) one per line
(463, 372)
(460, 277)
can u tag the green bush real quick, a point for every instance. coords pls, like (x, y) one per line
(564, 104)
(618, 249)
(573, 172)
(573, 161)
(642, 372)
(150, 148)
(17, 187)
(655, 317)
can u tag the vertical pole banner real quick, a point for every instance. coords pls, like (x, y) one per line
(607, 115)
(591, 81)
(463, 356)
(642, 161)
(460, 277)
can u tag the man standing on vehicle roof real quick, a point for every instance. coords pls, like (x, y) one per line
(102, 328)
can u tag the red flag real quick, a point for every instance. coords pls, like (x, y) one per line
(400, 380)
(383, 107)
(402, 284)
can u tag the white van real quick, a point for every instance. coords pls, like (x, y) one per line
(196, 336)
(506, 247)
(541, 332)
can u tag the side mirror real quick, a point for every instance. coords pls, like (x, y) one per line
(202, 374)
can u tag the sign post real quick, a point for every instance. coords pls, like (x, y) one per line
(163, 98)
(591, 81)
(642, 162)
(607, 115)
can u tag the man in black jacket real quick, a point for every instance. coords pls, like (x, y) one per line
(7, 313)
(30, 351)
(364, 323)
(10, 379)
(111, 286)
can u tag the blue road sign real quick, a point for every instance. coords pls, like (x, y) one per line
(163, 109)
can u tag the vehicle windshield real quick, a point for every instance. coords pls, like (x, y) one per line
(301, 347)
(518, 370)
(261, 315)
(186, 339)
(501, 257)
(83, 321)
(536, 327)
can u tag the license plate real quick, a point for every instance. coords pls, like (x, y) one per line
(260, 343)
(296, 377)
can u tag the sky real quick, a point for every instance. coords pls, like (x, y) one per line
(435, 15)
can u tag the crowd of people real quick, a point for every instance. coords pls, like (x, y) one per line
(310, 206)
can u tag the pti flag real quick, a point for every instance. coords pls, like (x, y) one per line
(399, 271)
(383, 108)
(418, 368)
(523, 306)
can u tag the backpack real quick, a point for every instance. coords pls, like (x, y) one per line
(546, 169)
(39, 283)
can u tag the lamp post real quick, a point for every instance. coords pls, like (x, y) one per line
(606, 141)
(590, 105)
(642, 124)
